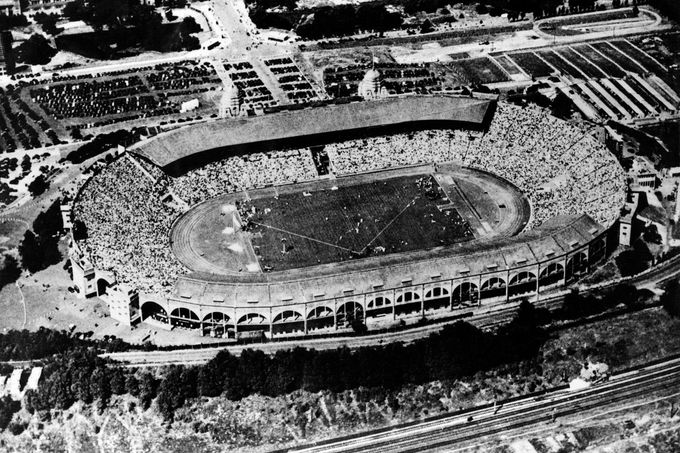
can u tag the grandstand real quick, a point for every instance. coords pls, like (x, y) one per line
(528, 200)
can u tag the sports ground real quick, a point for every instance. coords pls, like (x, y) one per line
(346, 219)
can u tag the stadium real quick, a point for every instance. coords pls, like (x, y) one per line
(304, 222)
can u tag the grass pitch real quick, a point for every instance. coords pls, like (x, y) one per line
(377, 218)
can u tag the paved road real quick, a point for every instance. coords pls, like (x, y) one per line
(469, 429)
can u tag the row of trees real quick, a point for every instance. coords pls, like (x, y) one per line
(41, 249)
(458, 350)
(129, 23)
(43, 343)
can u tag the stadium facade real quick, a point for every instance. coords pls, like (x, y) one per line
(377, 290)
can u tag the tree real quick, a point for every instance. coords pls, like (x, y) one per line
(10, 271)
(75, 10)
(26, 163)
(35, 51)
(426, 26)
(651, 234)
(671, 298)
(38, 186)
(189, 25)
(76, 134)
(48, 22)
(7, 409)
(31, 255)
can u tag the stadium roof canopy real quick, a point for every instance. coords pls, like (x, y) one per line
(328, 121)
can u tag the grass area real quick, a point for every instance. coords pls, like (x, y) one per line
(640, 56)
(507, 64)
(388, 216)
(603, 63)
(617, 57)
(559, 63)
(531, 64)
(481, 70)
(577, 60)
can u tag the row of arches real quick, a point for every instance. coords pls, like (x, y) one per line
(467, 293)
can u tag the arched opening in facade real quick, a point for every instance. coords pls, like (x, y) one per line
(185, 318)
(348, 312)
(217, 324)
(407, 303)
(598, 250)
(320, 318)
(102, 286)
(522, 283)
(154, 311)
(577, 266)
(551, 274)
(465, 294)
(437, 298)
(252, 322)
(288, 321)
(493, 287)
(379, 306)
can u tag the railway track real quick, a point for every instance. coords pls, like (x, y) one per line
(457, 429)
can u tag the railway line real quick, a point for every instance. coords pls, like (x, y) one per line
(459, 428)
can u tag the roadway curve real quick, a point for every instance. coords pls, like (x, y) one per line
(659, 274)
(463, 427)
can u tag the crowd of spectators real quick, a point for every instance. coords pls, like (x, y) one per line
(245, 172)
(129, 206)
(128, 225)
(559, 166)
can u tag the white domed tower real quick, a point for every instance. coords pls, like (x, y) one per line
(230, 104)
(371, 86)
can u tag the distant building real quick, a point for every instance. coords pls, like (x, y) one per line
(189, 106)
(642, 173)
(626, 221)
(10, 7)
(6, 53)
(65, 208)
(371, 86)
(46, 6)
(231, 102)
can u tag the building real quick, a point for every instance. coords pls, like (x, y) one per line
(643, 173)
(371, 86)
(7, 64)
(45, 6)
(231, 104)
(123, 304)
(10, 7)
(626, 221)
(188, 106)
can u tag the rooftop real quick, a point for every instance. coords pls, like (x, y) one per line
(169, 148)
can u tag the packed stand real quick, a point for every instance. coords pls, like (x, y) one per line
(560, 167)
(247, 171)
(128, 226)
